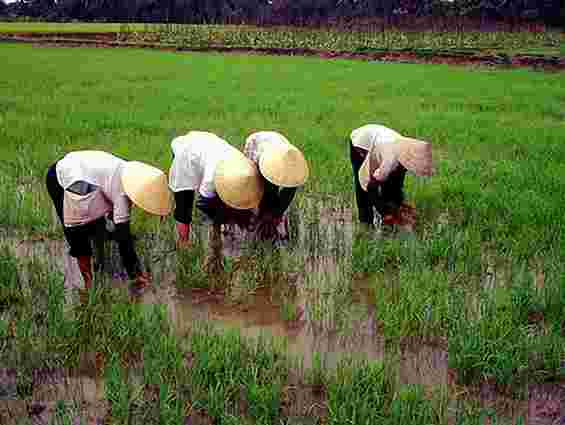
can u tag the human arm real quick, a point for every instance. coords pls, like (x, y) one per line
(184, 201)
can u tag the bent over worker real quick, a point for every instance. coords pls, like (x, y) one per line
(380, 158)
(228, 185)
(86, 186)
(283, 169)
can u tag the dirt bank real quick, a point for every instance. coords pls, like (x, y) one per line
(545, 63)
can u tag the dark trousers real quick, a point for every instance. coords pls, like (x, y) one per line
(221, 213)
(385, 196)
(276, 200)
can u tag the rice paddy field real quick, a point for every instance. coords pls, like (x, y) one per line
(460, 320)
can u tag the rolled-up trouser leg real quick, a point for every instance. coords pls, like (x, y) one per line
(358, 155)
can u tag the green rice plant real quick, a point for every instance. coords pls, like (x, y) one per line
(260, 265)
(118, 391)
(189, 270)
(553, 293)
(11, 291)
(359, 393)
(225, 370)
(128, 327)
(414, 304)
(547, 358)
(94, 328)
(490, 346)
(264, 401)
(317, 375)
(171, 406)
(57, 324)
(525, 298)
(410, 405)
(485, 416)
(64, 413)
(290, 311)
(162, 354)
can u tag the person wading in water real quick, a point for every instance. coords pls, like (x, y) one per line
(88, 186)
(380, 158)
(228, 185)
(283, 169)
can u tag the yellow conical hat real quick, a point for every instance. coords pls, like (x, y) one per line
(283, 165)
(147, 187)
(238, 182)
(415, 155)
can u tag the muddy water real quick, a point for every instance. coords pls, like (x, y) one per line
(330, 319)
(333, 315)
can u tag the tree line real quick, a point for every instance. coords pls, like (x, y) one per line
(293, 12)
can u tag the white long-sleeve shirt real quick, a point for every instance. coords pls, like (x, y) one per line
(102, 170)
(196, 157)
(379, 141)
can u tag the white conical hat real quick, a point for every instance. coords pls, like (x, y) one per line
(415, 155)
(283, 165)
(238, 182)
(147, 187)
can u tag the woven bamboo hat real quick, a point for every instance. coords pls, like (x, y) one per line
(147, 187)
(283, 165)
(415, 155)
(238, 182)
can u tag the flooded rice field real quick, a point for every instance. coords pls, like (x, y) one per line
(305, 298)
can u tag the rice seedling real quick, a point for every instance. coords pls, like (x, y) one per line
(359, 393)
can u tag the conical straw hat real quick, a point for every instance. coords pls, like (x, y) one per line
(415, 155)
(283, 165)
(147, 187)
(238, 182)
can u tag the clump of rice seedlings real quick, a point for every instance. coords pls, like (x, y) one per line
(473, 415)
(162, 353)
(501, 332)
(229, 376)
(327, 291)
(290, 311)
(410, 405)
(117, 391)
(360, 393)
(11, 292)
(189, 271)
(171, 405)
(261, 265)
(23, 189)
(488, 346)
(413, 304)
(66, 413)
(317, 375)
